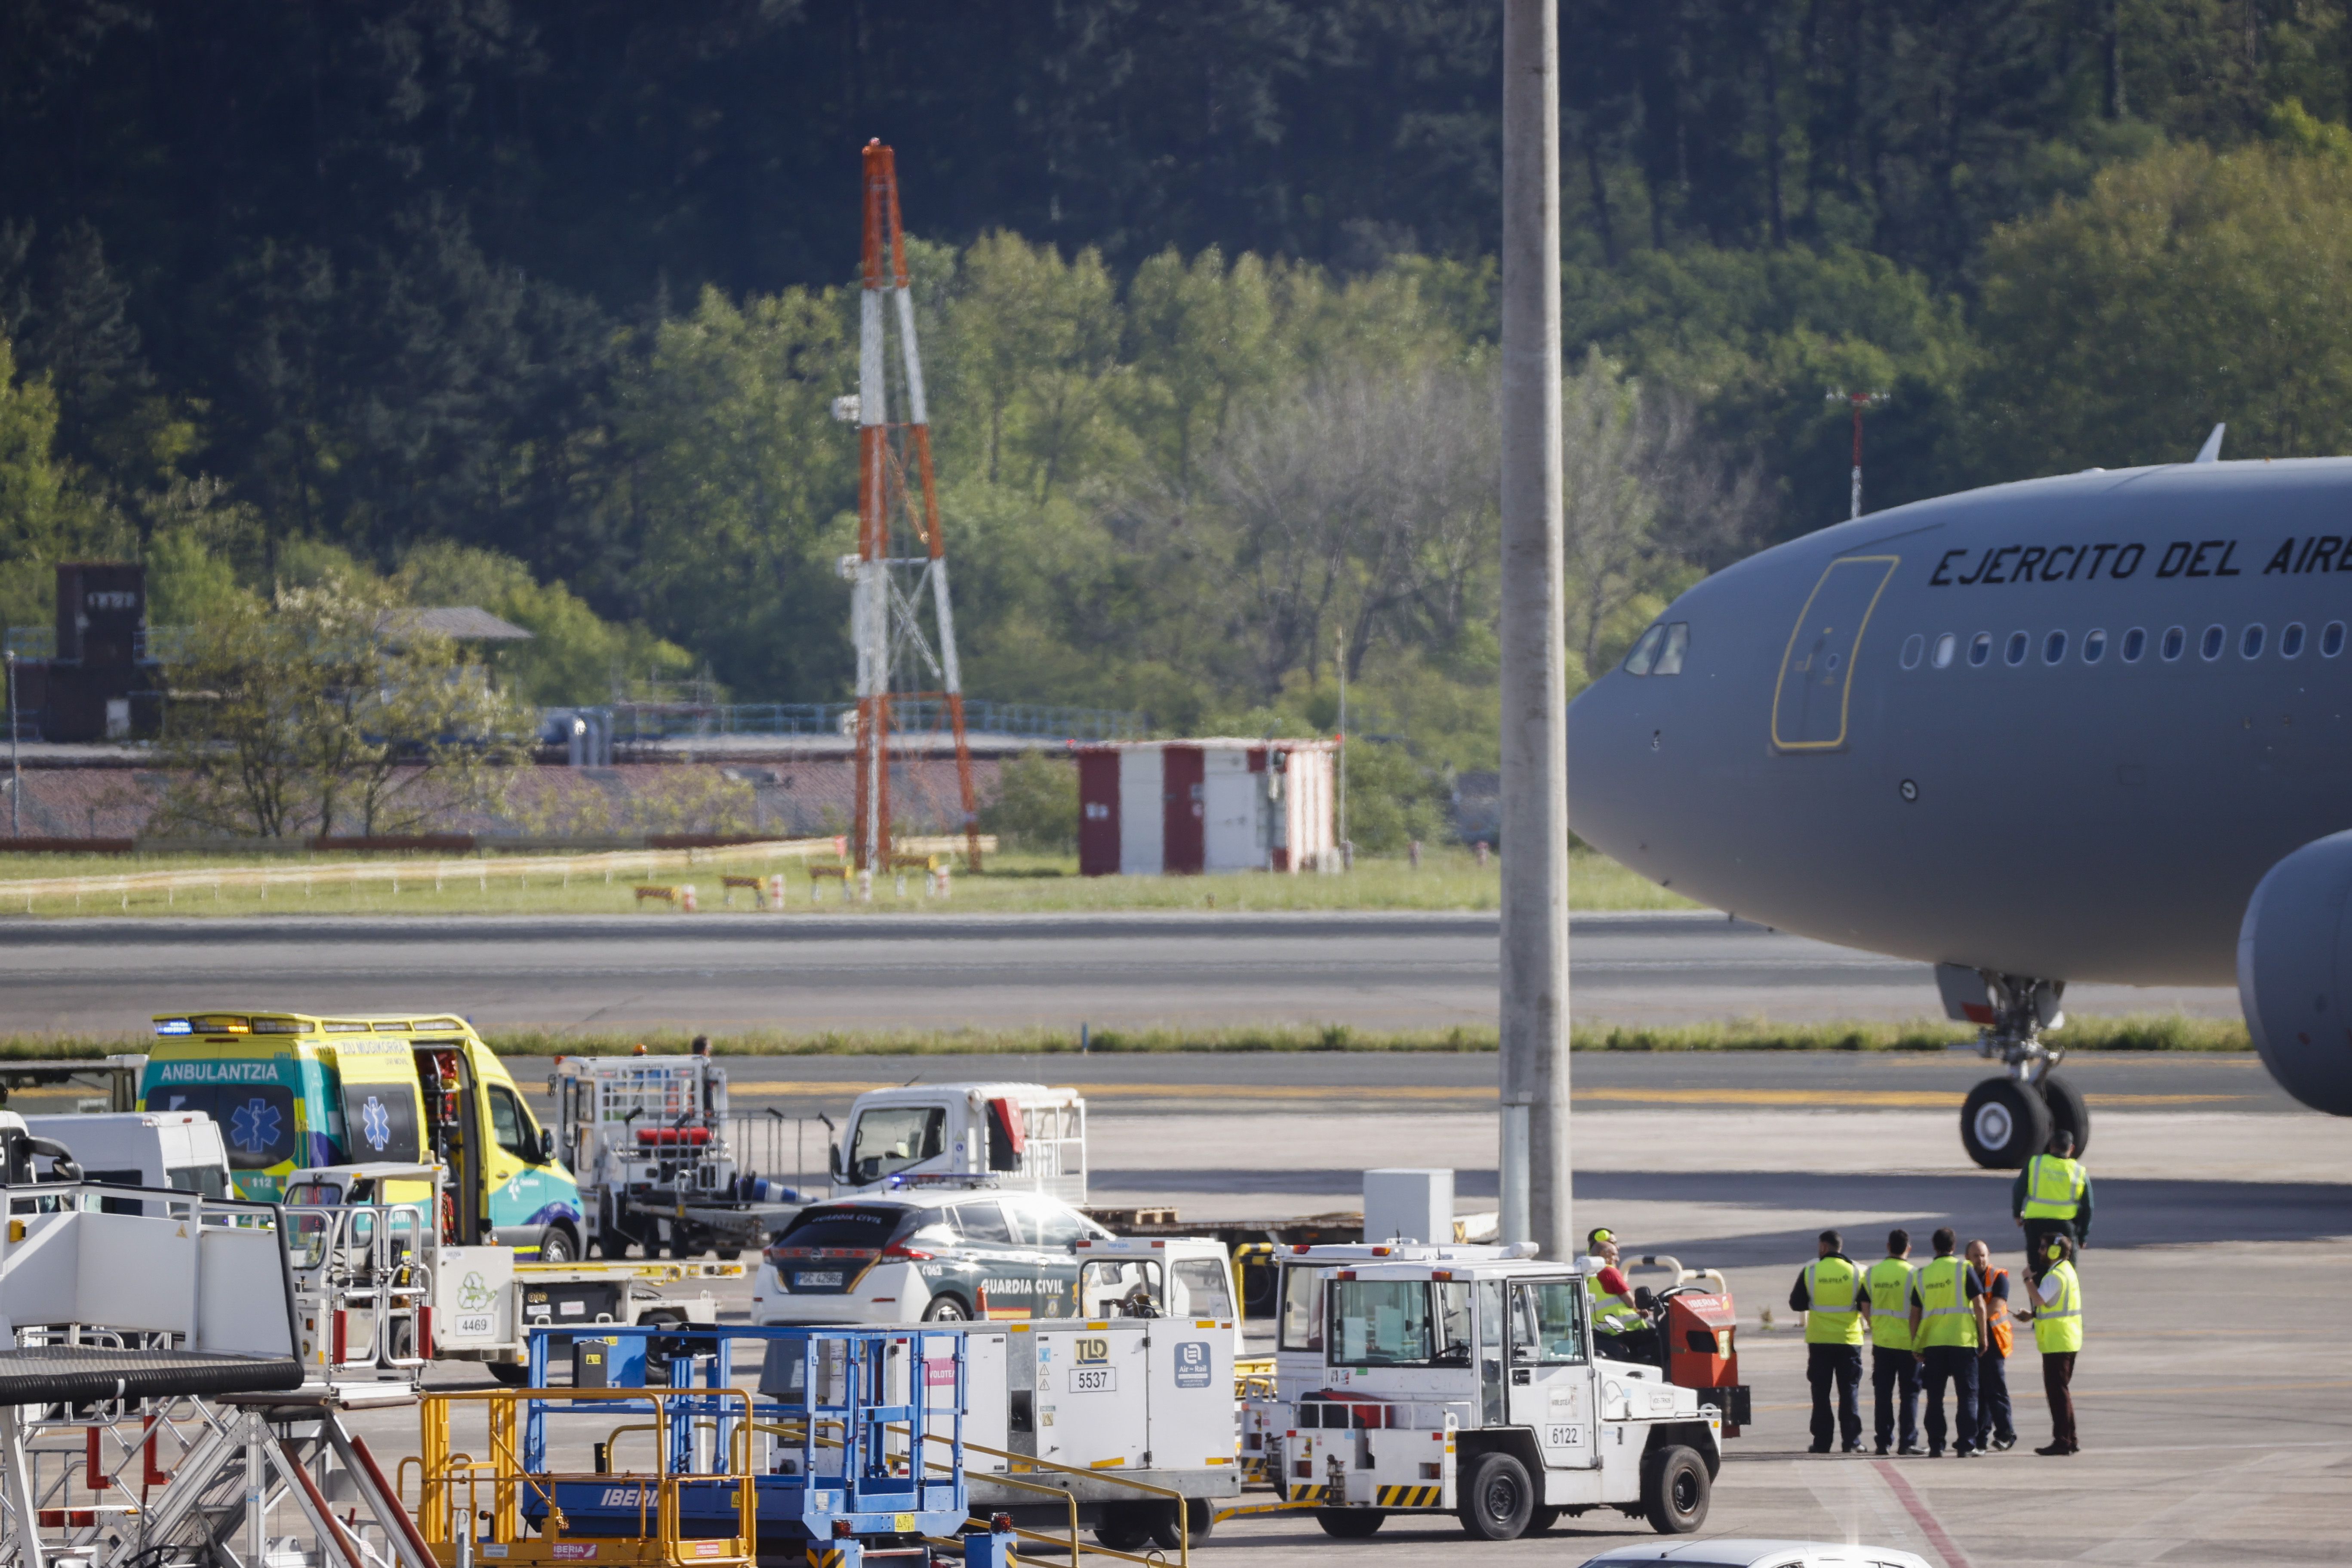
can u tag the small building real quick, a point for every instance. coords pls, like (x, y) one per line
(1181, 807)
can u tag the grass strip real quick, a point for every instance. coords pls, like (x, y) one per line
(2139, 1031)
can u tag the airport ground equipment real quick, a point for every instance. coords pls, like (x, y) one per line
(1026, 1135)
(107, 1082)
(291, 1091)
(376, 1282)
(1472, 1386)
(180, 1149)
(154, 1411)
(647, 1136)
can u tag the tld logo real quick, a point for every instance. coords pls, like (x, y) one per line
(1093, 1352)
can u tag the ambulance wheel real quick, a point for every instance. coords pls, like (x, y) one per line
(1498, 1499)
(2004, 1125)
(1348, 1523)
(949, 1310)
(2069, 1112)
(1674, 1491)
(556, 1246)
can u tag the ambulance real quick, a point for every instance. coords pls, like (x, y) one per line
(291, 1092)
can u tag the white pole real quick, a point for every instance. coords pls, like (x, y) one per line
(1347, 857)
(16, 767)
(1533, 1136)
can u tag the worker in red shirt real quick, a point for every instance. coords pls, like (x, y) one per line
(1621, 1330)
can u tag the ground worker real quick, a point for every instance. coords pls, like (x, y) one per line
(1829, 1292)
(2057, 1318)
(2052, 1196)
(1893, 1369)
(1623, 1331)
(1946, 1325)
(1994, 1416)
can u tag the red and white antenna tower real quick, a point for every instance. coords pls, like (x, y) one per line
(899, 550)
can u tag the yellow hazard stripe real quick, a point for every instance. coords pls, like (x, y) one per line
(1409, 1496)
(1306, 1494)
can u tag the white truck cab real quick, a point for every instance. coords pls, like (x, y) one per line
(1028, 1136)
(181, 1149)
(1469, 1385)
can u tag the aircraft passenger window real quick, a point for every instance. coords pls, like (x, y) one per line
(2250, 645)
(2095, 646)
(2054, 648)
(2018, 643)
(1943, 646)
(2290, 640)
(1670, 657)
(1645, 652)
(1980, 648)
(2175, 640)
(2134, 644)
(1913, 647)
(2331, 640)
(2209, 647)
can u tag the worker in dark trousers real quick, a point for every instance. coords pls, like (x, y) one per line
(2052, 1196)
(1996, 1422)
(1893, 1369)
(1946, 1325)
(1829, 1292)
(2057, 1318)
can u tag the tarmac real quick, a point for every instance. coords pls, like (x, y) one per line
(2214, 1394)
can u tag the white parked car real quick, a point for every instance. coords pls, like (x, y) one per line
(1742, 1553)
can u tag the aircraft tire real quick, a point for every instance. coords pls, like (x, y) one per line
(2069, 1112)
(2004, 1125)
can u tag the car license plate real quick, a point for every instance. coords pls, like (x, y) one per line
(817, 1279)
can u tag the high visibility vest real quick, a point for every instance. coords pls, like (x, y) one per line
(1996, 1309)
(1946, 1318)
(1612, 1314)
(1888, 1280)
(2058, 1324)
(2053, 1187)
(1833, 1286)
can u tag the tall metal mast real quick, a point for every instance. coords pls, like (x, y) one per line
(897, 662)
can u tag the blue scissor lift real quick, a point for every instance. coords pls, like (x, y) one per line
(845, 1478)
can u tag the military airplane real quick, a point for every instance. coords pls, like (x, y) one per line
(2092, 727)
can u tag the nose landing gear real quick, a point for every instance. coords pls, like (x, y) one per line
(2008, 1119)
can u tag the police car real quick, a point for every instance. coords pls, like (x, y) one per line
(949, 1251)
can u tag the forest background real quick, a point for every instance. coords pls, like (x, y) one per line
(542, 307)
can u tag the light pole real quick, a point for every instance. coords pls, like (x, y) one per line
(16, 769)
(1860, 402)
(1534, 1152)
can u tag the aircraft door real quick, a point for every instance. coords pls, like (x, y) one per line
(1809, 706)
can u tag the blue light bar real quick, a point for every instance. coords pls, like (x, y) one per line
(173, 1026)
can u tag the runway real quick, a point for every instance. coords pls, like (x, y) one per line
(808, 974)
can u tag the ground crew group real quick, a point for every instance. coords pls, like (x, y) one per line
(1947, 1324)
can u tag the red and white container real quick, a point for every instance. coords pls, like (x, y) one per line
(1148, 807)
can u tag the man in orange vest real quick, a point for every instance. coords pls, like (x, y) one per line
(1993, 1415)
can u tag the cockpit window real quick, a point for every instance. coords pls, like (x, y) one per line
(1670, 657)
(1645, 652)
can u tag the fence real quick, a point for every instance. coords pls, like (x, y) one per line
(669, 721)
(479, 869)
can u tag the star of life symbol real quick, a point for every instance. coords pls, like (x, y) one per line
(375, 1123)
(254, 1126)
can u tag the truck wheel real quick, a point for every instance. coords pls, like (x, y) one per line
(1498, 1500)
(1674, 1491)
(513, 1373)
(729, 1254)
(556, 1246)
(2003, 1123)
(1542, 1519)
(1123, 1528)
(1164, 1533)
(1348, 1523)
(949, 1310)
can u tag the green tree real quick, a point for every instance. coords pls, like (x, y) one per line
(1035, 806)
(2187, 288)
(574, 656)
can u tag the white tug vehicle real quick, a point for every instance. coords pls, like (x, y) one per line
(1469, 1384)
